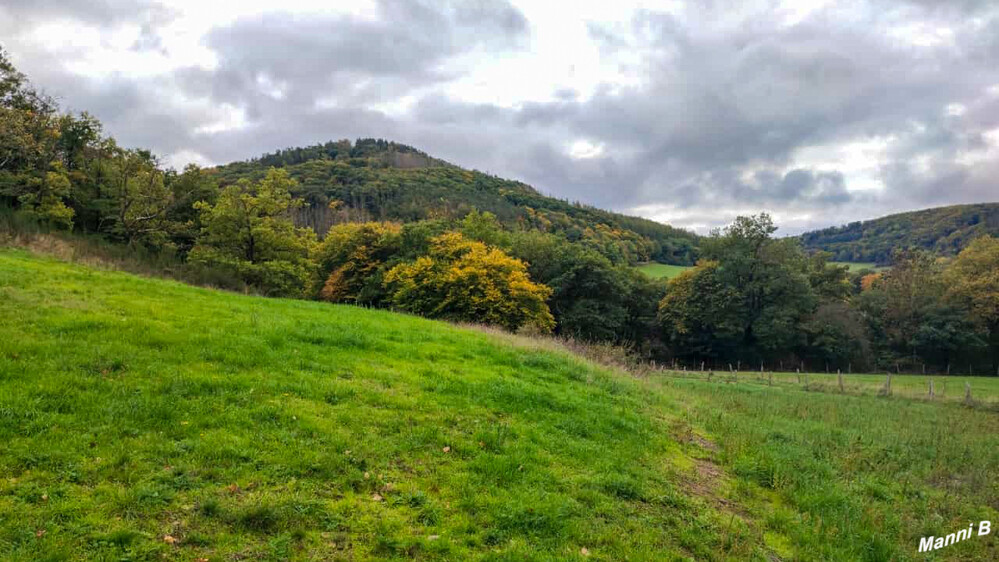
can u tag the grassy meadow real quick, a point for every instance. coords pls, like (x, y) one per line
(662, 270)
(855, 266)
(143, 419)
(666, 271)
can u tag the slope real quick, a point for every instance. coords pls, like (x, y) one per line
(144, 419)
(380, 180)
(944, 230)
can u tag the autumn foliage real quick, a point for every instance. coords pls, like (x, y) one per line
(352, 258)
(464, 280)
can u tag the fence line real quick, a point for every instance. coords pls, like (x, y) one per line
(841, 384)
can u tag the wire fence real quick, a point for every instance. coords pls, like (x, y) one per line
(970, 391)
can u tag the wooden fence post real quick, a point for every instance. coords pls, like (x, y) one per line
(770, 381)
(839, 376)
(967, 393)
(931, 389)
(888, 385)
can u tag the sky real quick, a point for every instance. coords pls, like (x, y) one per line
(691, 113)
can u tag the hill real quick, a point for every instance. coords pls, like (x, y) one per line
(381, 180)
(943, 230)
(144, 419)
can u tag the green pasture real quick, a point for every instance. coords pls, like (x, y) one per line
(143, 419)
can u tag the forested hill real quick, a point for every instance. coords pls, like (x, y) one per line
(943, 230)
(385, 181)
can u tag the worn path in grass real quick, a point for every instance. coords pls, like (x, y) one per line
(144, 419)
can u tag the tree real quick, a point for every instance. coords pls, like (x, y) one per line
(770, 282)
(973, 281)
(44, 197)
(135, 198)
(352, 261)
(462, 280)
(836, 336)
(700, 313)
(249, 232)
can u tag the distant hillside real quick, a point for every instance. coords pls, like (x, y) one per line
(380, 180)
(945, 230)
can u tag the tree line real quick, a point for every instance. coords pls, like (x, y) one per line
(548, 267)
(942, 230)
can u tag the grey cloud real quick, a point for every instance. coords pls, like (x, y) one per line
(314, 55)
(714, 126)
(102, 13)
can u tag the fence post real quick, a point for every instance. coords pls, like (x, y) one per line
(839, 376)
(888, 385)
(931, 389)
(798, 371)
(702, 366)
(770, 380)
(967, 393)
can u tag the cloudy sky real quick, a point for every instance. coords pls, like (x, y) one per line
(820, 112)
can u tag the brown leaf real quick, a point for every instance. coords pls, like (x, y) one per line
(169, 539)
(376, 497)
(40, 533)
(447, 449)
(233, 488)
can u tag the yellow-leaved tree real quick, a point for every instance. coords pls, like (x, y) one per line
(352, 259)
(464, 280)
(973, 281)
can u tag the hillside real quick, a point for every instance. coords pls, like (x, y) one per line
(380, 180)
(144, 419)
(943, 230)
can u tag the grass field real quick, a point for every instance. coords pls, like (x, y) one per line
(662, 270)
(984, 390)
(665, 271)
(146, 420)
(855, 266)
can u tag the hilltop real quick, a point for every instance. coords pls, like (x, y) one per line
(374, 179)
(942, 230)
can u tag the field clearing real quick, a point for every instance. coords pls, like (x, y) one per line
(662, 270)
(855, 266)
(147, 420)
(984, 390)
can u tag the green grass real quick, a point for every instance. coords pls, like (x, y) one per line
(135, 409)
(855, 266)
(665, 271)
(662, 270)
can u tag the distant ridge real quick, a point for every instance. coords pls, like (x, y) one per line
(376, 179)
(943, 230)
